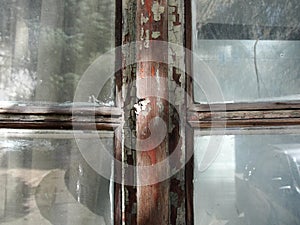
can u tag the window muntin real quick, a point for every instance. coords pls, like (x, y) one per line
(252, 49)
(46, 46)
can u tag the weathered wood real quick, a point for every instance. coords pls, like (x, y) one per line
(47, 116)
(246, 115)
(246, 123)
(189, 178)
(177, 138)
(189, 142)
(117, 212)
(54, 134)
(57, 118)
(118, 173)
(58, 125)
(69, 109)
(188, 46)
(246, 106)
(271, 130)
(152, 200)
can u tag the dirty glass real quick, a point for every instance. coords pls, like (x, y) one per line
(247, 179)
(47, 46)
(250, 48)
(44, 179)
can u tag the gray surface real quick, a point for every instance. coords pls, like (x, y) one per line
(272, 71)
(34, 188)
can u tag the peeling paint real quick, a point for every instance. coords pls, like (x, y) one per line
(147, 39)
(141, 106)
(157, 11)
(177, 28)
(142, 34)
(155, 34)
(177, 76)
(144, 19)
(173, 3)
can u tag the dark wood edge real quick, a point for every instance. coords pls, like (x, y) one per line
(276, 105)
(117, 212)
(189, 99)
(189, 177)
(244, 123)
(58, 125)
(118, 52)
(188, 44)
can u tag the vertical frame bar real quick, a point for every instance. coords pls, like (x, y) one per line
(119, 103)
(152, 199)
(189, 101)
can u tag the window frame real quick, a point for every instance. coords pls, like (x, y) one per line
(247, 117)
(237, 118)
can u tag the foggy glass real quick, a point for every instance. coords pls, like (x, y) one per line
(249, 180)
(44, 179)
(46, 46)
(252, 49)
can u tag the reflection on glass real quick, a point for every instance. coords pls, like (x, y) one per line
(46, 180)
(250, 180)
(46, 46)
(251, 47)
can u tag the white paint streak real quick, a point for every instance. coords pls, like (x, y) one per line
(144, 19)
(142, 34)
(147, 39)
(155, 34)
(157, 11)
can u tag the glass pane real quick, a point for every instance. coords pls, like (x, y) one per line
(248, 180)
(44, 179)
(46, 47)
(252, 48)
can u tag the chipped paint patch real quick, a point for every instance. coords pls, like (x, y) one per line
(144, 19)
(141, 106)
(142, 34)
(155, 34)
(157, 11)
(147, 39)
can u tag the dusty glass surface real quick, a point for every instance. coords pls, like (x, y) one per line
(45, 180)
(46, 46)
(252, 48)
(250, 180)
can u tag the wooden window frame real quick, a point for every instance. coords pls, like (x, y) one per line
(247, 117)
(273, 117)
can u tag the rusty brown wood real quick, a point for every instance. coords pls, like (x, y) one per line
(152, 200)
(118, 173)
(246, 123)
(117, 212)
(244, 118)
(247, 115)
